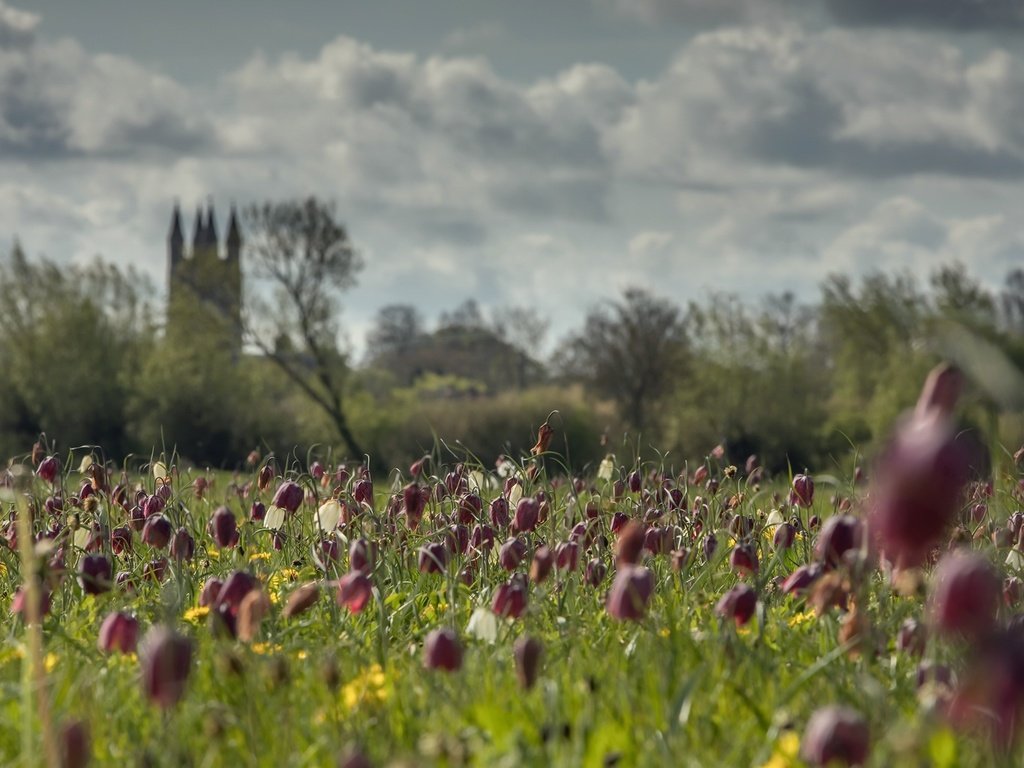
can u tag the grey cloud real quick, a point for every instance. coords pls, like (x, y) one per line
(58, 101)
(17, 27)
(952, 15)
(863, 105)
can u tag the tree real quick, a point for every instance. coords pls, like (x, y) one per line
(631, 351)
(70, 342)
(397, 329)
(307, 259)
(525, 330)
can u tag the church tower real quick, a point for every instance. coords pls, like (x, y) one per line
(204, 288)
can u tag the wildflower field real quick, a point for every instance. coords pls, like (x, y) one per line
(454, 614)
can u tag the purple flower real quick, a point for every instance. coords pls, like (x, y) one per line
(166, 660)
(441, 650)
(119, 632)
(836, 736)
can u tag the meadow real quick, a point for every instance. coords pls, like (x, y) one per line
(306, 613)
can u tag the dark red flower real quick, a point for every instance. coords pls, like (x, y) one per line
(119, 632)
(166, 660)
(836, 736)
(631, 591)
(527, 653)
(966, 595)
(289, 496)
(441, 650)
(354, 591)
(738, 604)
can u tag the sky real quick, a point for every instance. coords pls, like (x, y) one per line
(529, 153)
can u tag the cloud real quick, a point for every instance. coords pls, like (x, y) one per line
(952, 15)
(860, 104)
(443, 134)
(17, 27)
(58, 101)
(945, 15)
(900, 232)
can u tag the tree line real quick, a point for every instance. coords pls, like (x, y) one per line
(86, 359)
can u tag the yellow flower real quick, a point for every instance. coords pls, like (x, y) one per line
(800, 619)
(785, 751)
(301, 654)
(279, 578)
(264, 648)
(197, 614)
(259, 556)
(369, 687)
(664, 632)
(213, 554)
(50, 662)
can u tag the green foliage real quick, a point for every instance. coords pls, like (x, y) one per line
(71, 338)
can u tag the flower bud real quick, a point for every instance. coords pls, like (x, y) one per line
(511, 554)
(257, 511)
(838, 535)
(743, 560)
(224, 528)
(629, 544)
(433, 558)
(75, 744)
(183, 546)
(801, 579)
(836, 736)
(166, 660)
(567, 555)
(208, 595)
(119, 632)
(95, 574)
(354, 591)
(631, 591)
(527, 653)
(301, 600)
(121, 540)
(966, 595)
(509, 599)
(803, 490)
(289, 496)
(47, 469)
(595, 572)
(441, 650)
(238, 585)
(543, 562)
(499, 513)
(157, 531)
(363, 492)
(738, 604)
(414, 501)
(362, 555)
(785, 535)
(527, 514)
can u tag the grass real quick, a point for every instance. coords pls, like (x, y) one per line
(680, 687)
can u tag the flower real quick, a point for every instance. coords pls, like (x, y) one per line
(354, 591)
(836, 736)
(738, 604)
(527, 653)
(166, 660)
(966, 595)
(289, 496)
(785, 751)
(441, 650)
(367, 688)
(631, 591)
(197, 614)
(119, 632)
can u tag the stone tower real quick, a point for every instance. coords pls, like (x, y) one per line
(204, 287)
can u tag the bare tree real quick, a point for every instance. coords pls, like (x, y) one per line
(307, 259)
(631, 351)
